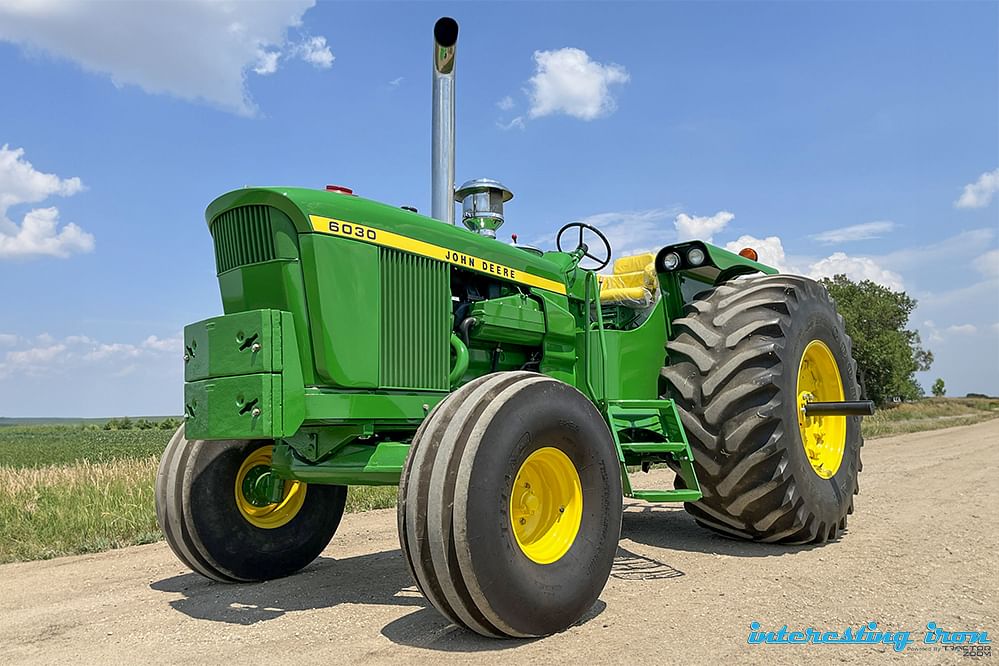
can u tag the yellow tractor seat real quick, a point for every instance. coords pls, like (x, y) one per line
(633, 282)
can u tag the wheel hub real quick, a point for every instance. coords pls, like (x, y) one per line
(823, 437)
(546, 505)
(253, 484)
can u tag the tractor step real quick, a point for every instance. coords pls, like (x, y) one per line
(667, 495)
(654, 447)
(650, 431)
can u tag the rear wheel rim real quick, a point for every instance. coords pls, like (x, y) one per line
(258, 510)
(822, 437)
(546, 505)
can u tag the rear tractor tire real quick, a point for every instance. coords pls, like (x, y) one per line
(510, 505)
(216, 524)
(744, 358)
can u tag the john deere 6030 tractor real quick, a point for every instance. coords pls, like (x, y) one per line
(506, 390)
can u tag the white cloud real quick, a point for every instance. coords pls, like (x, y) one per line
(21, 183)
(856, 232)
(940, 253)
(988, 263)
(30, 361)
(506, 103)
(934, 331)
(112, 350)
(979, 193)
(857, 269)
(39, 233)
(195, 50)
(8, 340)
(962, 329)
(769, 250)
(47, 355)
(174, 344)
(695, 227)
(315, 51)
(633, 232)
(267, 62)
(394, 83)
(567, 81)
(516, 123)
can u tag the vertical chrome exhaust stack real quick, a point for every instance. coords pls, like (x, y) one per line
(442, 166)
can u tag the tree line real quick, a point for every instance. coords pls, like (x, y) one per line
(888, 353)
(125, 423)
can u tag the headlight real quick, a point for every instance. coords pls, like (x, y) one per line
(695, 256)
(671, 261)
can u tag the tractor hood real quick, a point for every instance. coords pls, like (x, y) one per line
(366, 221)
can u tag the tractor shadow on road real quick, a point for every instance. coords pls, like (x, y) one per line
(672, 528)
(426, 629)
(376, 578)
(382, 579)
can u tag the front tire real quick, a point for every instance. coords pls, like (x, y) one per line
(216, 530)
(743, 358)
(510, 505)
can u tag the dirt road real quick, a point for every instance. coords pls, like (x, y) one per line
(921, 547)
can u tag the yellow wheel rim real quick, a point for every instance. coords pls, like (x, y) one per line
(250, 493)
(824, 437)
(546, 505)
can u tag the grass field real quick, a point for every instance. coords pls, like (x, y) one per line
(929, 414)
(67, 490)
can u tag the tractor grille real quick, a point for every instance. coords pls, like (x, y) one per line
(242, 236)
(415, 321)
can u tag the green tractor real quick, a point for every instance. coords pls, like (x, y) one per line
(505, 390)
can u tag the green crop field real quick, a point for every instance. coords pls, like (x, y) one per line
(44, 445)
(71, 489)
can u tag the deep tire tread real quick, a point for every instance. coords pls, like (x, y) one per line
(725, 376)
(439, 484)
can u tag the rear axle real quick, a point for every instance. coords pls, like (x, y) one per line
(842, 408)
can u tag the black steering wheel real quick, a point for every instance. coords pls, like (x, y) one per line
(581, 246)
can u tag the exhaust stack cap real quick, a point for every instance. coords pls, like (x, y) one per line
(482, 202)
(442, 136)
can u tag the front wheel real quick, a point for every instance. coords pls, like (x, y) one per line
(217, 519)
(510, 505)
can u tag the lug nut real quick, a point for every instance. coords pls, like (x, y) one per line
(256, 412)
(255, 347)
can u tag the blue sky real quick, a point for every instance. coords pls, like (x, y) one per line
(837, 137)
